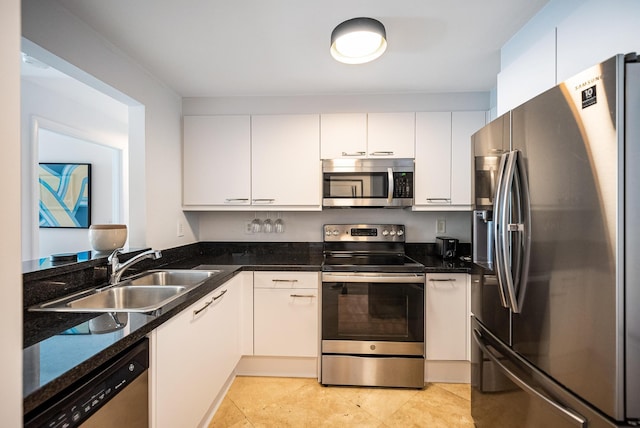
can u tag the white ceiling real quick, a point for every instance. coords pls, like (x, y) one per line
(281, 47)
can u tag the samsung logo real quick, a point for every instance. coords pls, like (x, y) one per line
(589, 82)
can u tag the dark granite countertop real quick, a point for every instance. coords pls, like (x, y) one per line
(61, 348)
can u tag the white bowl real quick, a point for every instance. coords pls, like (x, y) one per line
(107, 237)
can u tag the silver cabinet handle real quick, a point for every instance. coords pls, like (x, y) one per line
(439, 200)
(222, 293)
(236, 200)
(265, 201)
(381, 153)
(284, 280)
(302, 295)
(442, 280)
(206, 305)
(354, 154)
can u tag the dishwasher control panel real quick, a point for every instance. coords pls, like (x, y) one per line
(84, 398)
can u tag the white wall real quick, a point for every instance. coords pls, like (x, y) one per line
(155, 168)
(105, 188)
(105, 131)
(10, 267)
(305, 227)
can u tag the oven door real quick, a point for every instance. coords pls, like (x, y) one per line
(373, 313)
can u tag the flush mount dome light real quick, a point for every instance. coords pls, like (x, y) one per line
(358, 40)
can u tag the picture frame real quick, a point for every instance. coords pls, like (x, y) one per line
(65, 195)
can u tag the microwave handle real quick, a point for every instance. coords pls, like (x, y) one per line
(391, 184)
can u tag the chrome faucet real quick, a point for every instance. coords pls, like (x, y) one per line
(117, 268)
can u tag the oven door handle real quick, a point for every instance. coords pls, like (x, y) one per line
(405, 278)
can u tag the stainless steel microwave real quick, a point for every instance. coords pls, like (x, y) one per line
(374, 183)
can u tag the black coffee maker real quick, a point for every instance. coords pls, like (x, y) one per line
(446, 247)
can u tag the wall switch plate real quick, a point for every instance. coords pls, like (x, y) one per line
(180, 228)
(248, 227)
(441, 225)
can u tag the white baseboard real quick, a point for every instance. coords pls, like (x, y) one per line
(206, 421)
(448, 371)
(278, 366)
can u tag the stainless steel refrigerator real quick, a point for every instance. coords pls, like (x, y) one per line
(556, 311)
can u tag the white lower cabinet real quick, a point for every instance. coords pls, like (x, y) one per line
(193, 355)
(447, 317)
(286, 314)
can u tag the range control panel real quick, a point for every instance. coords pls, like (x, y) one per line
(363, 233)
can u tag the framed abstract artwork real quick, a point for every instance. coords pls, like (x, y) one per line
(65, 195)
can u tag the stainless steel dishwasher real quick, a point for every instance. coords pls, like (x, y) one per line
(113, 395)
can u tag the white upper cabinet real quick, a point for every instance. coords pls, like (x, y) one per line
(372, 135)
(532, 73)
(391, 135)
(343, 135)
(252, 162)
(444, 159)
(286, 161)
(463, 125)
(217, 160)
(433, 158)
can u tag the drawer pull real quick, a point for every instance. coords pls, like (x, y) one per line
(442, 280)
(284, 280)
(302, 295)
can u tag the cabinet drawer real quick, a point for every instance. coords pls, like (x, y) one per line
(285, 280)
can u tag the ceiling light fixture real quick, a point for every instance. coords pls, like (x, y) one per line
(358, 40)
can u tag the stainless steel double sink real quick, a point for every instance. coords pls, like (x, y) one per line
(145, 292)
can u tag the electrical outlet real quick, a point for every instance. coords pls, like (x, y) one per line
(441, 226)
(180, 228)
(248, 227)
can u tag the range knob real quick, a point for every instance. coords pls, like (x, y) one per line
(327, 232)
(392, 233)
(385, 232)
(400, 232)
(335, 233)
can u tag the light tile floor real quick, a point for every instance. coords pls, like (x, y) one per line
(297, 402)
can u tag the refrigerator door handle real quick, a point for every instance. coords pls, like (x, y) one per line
(497, 230)
(515, 252)
(570, 414)
(524, 228)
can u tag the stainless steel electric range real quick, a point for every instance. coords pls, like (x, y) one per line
(372, 308)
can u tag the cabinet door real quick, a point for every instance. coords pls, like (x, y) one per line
(286, 160)
(447, 319)
(464, 125)
(343, 135)
(433, 159)
(391, 135)
(194, 354)
(286, 314)
(217, 160)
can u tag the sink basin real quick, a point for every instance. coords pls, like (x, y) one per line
(145, 292)
(126, 297)
(185, 278)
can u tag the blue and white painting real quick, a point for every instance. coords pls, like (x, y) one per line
(65, 192)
